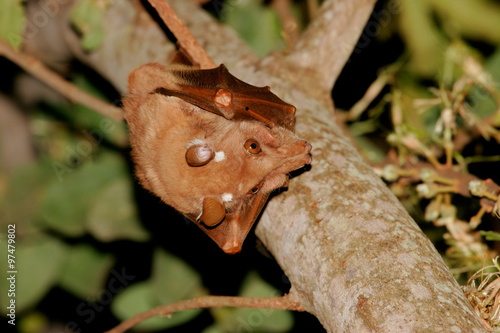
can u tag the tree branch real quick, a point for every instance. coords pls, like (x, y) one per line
(184, 37)
(31, 65)
(325, 46)
(358, 244)
(285, 302)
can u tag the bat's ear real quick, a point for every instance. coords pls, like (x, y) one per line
(199, 155)
(147, 78)
(213, 212)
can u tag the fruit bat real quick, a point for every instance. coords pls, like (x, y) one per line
(210, 145)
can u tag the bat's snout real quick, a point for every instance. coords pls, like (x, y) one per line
(231, 247)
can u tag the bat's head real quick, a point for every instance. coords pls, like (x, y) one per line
(249, 156)
(238, 165)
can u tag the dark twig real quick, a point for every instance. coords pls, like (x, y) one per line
(184, 37)
(284, 303)
(288, 21)
(56, 82)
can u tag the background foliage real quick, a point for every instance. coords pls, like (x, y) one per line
(93, 248)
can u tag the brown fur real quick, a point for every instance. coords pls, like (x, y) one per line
(162, 128)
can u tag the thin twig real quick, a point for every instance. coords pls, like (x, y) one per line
(288, 21)
(312, 8)
(56, 82)
(285, 302)
(371, 93)
(184, 37)
(324, 47)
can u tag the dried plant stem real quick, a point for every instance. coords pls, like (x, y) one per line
(285, 302)
(56, 82)
(458, 179)
(312, 8)
(371, 93)
(288, 21)
(184, 37)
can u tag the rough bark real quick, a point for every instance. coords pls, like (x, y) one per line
(354, 256)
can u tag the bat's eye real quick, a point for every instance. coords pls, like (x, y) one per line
(252, 146)
(255, 189)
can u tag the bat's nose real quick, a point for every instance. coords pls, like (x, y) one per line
(306, 145)
(231, 247)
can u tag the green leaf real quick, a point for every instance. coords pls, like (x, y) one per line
(213, 329)
(137, 298)
(493, 65)
(12, 20)
(370, 150)
(484, 24)
(113, 214)
(422, 37)
(88, 18)
(490, 235)
(38, 264)
(34, 322)
(85, 271)
(253, 320)
(20, 202)
(172, 280)
(257, 24)
(67, 200)
(481, 101)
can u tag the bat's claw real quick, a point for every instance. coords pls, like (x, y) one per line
(308, 146)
